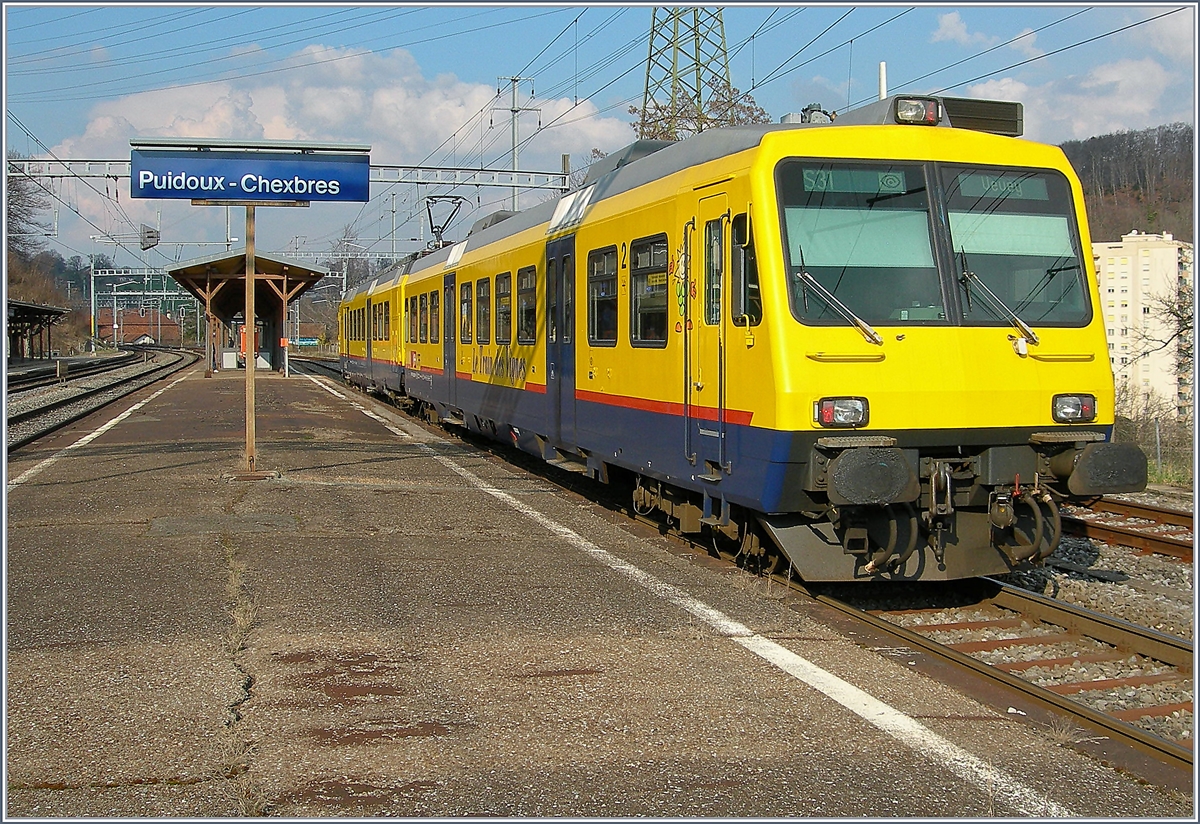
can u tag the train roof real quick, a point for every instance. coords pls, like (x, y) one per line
(645, 161)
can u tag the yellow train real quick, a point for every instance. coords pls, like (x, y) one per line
(869, 349)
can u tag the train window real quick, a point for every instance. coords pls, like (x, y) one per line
(413, 316)
(568, 298)
(648, 291)
(483, 311)
(745, 296)
(387, 320)
(504, 309)
(434, 317)
(1014, 230)
(527, 305)
(464, 312)
(858, 243)
(714, 269)
(424, 318)
(602, 297)
(551, 300)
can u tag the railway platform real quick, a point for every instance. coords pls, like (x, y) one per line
(401, 624)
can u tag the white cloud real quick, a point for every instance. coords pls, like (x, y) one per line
(1124, 95)
(1173, 36)
(1024, 43)
(951, 27)
(383, 100)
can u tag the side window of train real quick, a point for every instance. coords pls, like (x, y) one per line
(745, 298)
(504, 309)
(413, 314)
(464, 313)
(714, 265)
(424, 318)
(434, 317)
(648, 292)
(483, 311)
(527, 305)
(602, 297)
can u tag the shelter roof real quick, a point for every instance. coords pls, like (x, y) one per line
(277, 278)
(35, 315)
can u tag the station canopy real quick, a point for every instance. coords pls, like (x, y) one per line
(221, 278)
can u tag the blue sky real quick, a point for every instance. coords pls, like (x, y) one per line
(419, 84)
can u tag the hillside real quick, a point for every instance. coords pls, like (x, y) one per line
(1137, 180)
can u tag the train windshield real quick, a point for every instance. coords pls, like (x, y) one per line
(1012, 229)
(862, 231)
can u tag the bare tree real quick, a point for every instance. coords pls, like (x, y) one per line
(726, 106)
(26, 200)
(1176, 316)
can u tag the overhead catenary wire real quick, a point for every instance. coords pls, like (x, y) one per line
(296, 63)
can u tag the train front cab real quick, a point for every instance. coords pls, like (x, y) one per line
(929, 431)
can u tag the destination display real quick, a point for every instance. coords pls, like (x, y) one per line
(250, 176)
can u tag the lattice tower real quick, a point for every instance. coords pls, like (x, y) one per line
(688, 64)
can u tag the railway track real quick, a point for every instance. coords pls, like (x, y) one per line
(1095, 671)
(1104, 674)
(1138, 526)
(36, 378)
(37, 414)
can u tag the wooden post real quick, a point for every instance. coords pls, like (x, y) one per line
(251, 349)
(208, 327)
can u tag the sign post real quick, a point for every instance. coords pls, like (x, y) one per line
(251, 328)
(250, 174)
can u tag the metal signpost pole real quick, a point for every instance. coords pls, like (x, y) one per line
(250, 329)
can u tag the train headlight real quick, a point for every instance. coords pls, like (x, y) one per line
(1074, 408)
(842, 412)
(923, 111)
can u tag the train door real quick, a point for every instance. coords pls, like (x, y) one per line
(370, 333)
(560, 339)
(705, 338)
(449, 336)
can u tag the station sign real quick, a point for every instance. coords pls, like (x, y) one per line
(250, 176)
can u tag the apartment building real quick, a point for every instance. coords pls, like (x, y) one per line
(1133, 274)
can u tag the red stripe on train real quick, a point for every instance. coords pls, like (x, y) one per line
(734, 416)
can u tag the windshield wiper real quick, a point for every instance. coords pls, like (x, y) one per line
(968, 277)
(842, 309)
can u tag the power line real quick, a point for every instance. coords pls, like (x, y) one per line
(1063, 49)
(41, 97)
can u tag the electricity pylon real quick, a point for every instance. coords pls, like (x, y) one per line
(687, 65)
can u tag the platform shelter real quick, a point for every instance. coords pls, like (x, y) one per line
(29, 329)
(219, 282)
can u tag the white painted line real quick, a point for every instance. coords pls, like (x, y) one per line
(86, 439)
(904, 729)
(372, 415)
(988, 779)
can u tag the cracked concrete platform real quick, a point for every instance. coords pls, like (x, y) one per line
(411, 645)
